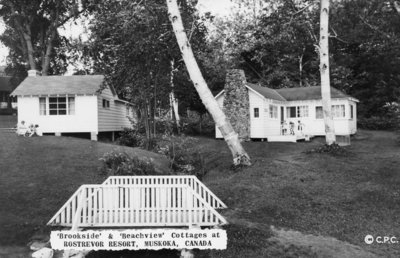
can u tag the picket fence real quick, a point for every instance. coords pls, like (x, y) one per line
(141, 201)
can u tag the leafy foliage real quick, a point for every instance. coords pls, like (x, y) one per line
(32, 37)
(185, 158)
(278, 48)
(119, 164)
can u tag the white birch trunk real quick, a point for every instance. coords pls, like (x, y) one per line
(231, 137)
(172, 99)
(325, 77)
(397, 6)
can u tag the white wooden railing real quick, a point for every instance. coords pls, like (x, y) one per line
(142, 203)
(191, 181)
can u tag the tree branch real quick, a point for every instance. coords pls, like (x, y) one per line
(374, 28)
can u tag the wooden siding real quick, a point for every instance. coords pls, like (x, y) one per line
(314, 126)
(114, 117)
(257, 126)
(265, 126)
(272, 125)
(84, 119)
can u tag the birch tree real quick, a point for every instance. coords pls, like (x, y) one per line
(324, 70)
(240, 157)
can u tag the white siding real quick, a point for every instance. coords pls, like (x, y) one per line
(113, 118)
(264, 126)
(272, 126)
(84, 120)
(314, 126)
(257, 125)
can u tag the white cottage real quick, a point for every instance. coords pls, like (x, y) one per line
(71, 104)
(272, 112)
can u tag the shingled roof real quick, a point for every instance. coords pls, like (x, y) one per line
(292, 94)
(59, 85)
(308, 93)
(266, 92)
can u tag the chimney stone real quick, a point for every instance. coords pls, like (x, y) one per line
(33, 73)
(236, 104)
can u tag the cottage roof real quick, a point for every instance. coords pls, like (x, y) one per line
(60, 85)
(266, 92)
(293, 94)
(5, 84)
(308, 93)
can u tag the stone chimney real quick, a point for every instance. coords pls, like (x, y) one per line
(33, 73)
(236, 103)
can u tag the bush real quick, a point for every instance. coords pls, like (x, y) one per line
(183, 155)
(389, 121)
(378, 123)
(119, 164)
(193, 124)
(132, 138)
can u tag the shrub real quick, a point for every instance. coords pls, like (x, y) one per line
(390, 120)
(132, 138)
(184, 157)
(193, 124)
(119, 164)
(378, 123)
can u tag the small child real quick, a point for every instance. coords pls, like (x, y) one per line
(291, 128)
(22, 129)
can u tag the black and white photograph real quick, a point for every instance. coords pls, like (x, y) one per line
(199, 128)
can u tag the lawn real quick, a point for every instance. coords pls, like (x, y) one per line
(319, 195)
(38, 174)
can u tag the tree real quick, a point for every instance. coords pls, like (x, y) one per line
(132, 44)
(240, 157)
(325, 76)
(32, 29)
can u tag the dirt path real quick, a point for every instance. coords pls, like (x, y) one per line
(320, 245)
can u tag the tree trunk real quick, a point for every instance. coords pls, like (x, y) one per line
(29, 47)
(396, 5)
(325, 77)
(240, 157)
(46, 56)
(173, 100)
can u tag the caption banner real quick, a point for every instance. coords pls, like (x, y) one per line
(153, 239)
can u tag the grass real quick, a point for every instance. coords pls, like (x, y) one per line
(38, 174)
(346, 197)
(340, 196)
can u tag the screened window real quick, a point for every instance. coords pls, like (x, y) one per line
(302, 111)
(291, 112)
(42, 106)
(351, 112)
(338, 111)
(273, 111)
(319, 113)
(71, 105)
(256, 112)
(106, 103)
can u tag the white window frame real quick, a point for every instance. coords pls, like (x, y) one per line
(69, 106)
(338, 111)
(351, 112)
(254, 112)
(106, 103)
(273, 111)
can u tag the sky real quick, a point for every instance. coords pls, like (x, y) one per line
(216, 7)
